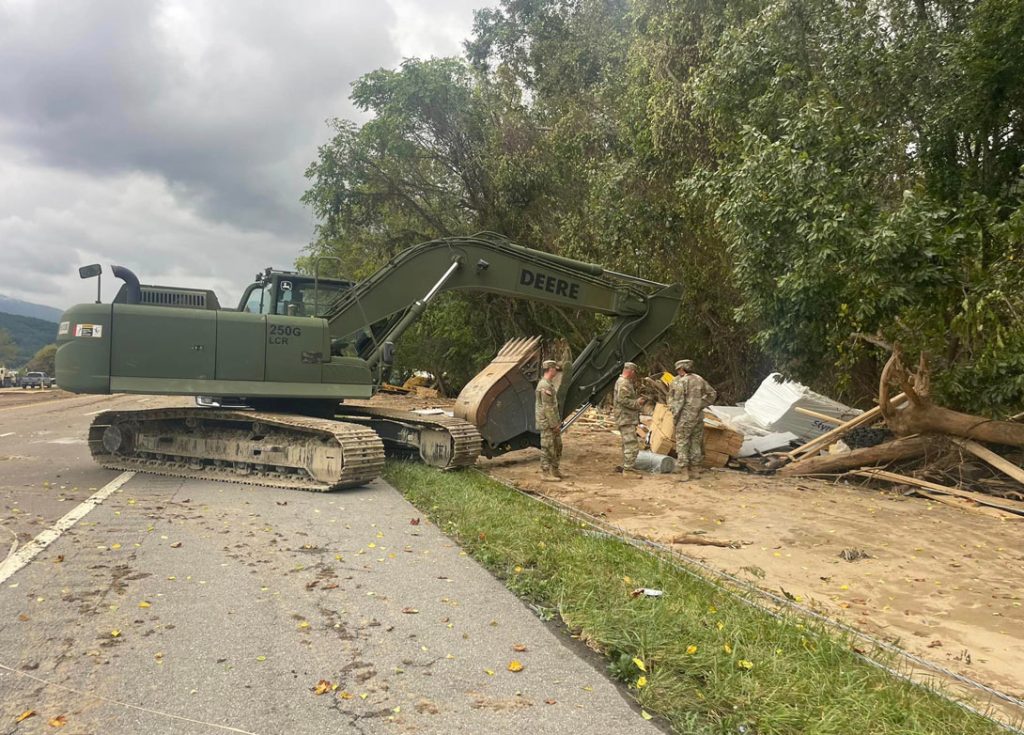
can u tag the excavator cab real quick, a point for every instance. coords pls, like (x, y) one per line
(286, 293)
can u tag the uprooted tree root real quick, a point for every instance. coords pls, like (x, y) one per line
(919, 415)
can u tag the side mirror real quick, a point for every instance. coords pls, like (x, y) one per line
(92, 271)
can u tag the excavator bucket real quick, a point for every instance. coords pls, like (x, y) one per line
(499, 400)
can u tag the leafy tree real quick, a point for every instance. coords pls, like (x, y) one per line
(43, 360)
(8, 349)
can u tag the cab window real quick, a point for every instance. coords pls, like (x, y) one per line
(258, 297)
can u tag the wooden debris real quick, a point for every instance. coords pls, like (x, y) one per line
(831, 464)
(820, 416)
(868, 417)
(1004, 504)
(1003, 465)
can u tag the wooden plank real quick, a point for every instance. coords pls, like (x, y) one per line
(828, 437)
(962, 504)
(820, 416)
(1010, 506)
(1000, 463)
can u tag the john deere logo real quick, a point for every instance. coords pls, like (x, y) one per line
(551, 284)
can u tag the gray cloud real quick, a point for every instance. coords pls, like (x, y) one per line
(172, 135)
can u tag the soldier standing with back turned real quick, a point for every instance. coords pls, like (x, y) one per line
(549, 423)
(626, 405)
(688, 396)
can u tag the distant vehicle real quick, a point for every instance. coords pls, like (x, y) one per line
(8, 378)
(36, 380)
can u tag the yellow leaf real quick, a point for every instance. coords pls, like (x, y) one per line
(25, 715)
(515, 666)
(727, 648)
(371, 545)
(363, 696)
(489, 672)
(345, 695)
(303, 625)
(720, 625)
(58, 721)
(744, 664)
(261, 658)
(115, 547)
(844, 586)
(627, 580)
(645, 714)
(322, 687)
(641, 682)
(115, 633)
(640, 665)
(144, 604)
(691, 649)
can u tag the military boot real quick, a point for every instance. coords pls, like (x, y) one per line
(557, 473)
(682, 474)
(632, 472)
(696, 471)
(546, 476)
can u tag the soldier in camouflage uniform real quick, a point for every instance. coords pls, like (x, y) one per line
(549, 422)
(688, 396)
(626, 405)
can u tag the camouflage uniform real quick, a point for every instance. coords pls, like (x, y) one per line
(627, 416)
(687, 397)
(546, 413)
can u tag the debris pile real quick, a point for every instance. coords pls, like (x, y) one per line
(912, 443)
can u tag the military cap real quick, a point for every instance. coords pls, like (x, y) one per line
(551, 364)
(629, 366)
(684, 364)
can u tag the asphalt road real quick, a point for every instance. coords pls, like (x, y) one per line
(180, 606)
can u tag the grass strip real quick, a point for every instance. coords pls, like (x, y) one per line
(713, 664)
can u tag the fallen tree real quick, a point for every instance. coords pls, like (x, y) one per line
(919, 415)
(908, 447)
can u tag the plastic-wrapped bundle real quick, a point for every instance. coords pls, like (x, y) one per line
(658, 464)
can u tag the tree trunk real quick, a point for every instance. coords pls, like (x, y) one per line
(834, 464)
(920, 416)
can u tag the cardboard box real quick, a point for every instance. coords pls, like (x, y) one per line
(720, 443)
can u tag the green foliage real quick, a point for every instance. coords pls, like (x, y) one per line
(28, 334)
(809, 170)
(8, 348)
(43, 360)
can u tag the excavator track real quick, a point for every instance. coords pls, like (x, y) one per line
(248, 447)
(439, 440)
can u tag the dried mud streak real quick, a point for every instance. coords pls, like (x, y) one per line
(361, 448)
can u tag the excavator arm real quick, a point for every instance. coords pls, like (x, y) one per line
(373, 315)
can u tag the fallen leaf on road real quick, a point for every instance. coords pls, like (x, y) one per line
(303, 625)
(24, 618)
(59, 559)
(550, 701)
(322, 687)
(645, 715)
(58, 721)
(414, 521)
(515, 666)
(410, 611)
(519, 647)
(489, 672)
(144, 604)
(25, 715)
(261, 659)
(115, 547)
(345, 695)
(176, 545)
(115, 633)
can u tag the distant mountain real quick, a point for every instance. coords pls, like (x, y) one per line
(24, 308)
(28, 334)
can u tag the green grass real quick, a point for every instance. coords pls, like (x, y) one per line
(801, 679)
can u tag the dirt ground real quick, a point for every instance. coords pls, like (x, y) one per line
(11, 397)
(942, 582)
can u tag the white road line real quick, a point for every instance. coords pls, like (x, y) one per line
(29, 551)
(9, 433)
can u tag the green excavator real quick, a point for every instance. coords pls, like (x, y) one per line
(271, 376)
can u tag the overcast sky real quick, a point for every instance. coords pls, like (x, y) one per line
(171, 136)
